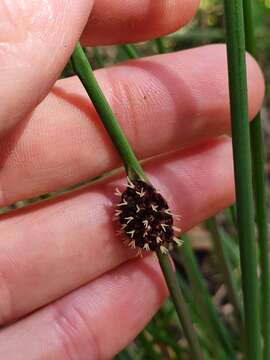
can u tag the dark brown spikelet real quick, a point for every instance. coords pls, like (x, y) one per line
(145, 217)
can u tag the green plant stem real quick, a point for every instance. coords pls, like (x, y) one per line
(207, 342)
(243, 174)
(83, 69)
(257, 149)
(233, 215)
(220, 338)
(225, 268)
(130, 51)
(161, 48)
(231, 249)
(180, 305)
(68, 71)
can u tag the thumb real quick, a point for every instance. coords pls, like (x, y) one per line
(36, 39)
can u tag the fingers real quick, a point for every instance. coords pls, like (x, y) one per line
(36, 42)
(37, 39)
(52, 249)
(94, 322)
(163, 103)
(112, 23)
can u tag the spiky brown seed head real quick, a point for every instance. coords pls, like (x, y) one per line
(145, 217)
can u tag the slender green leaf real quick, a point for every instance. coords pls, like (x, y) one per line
(257, 148)
(219, 334)
(130, 51)
(225, 268)
(243, 173)
(160, 44)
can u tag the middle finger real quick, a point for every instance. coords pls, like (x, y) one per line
(54, 248)
(162, 102)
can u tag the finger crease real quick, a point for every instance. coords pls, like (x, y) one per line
(72, 330)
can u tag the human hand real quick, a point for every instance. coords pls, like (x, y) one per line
(67, 284)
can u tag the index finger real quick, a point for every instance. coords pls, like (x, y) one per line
(37, 38)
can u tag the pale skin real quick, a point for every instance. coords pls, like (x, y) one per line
(67, 284)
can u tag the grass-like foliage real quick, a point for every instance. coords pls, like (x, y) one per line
(209, 328)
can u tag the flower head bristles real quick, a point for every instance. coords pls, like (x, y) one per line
(145, 218)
